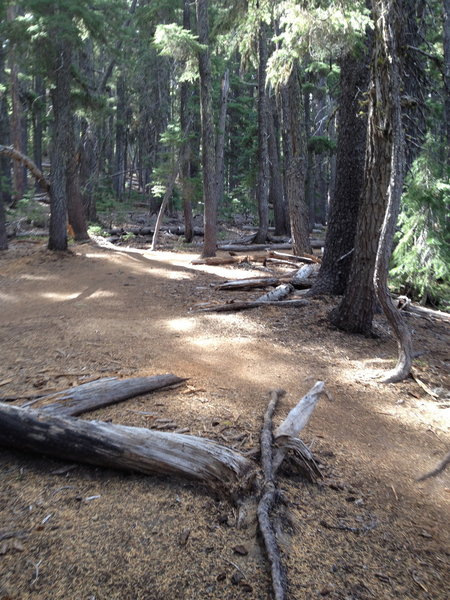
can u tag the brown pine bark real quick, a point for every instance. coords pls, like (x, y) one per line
(343, 214)
(262, 186)
(60, 153)
(208, 134)
(276, 192)
(295, 162)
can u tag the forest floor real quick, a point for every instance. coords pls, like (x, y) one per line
(369, 530)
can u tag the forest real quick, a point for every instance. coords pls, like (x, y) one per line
(252, 195)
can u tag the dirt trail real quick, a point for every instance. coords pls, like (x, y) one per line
(369, 531)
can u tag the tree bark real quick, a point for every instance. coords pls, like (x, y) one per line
(262, 187)
(16, 138)
(446, 24)
(121, 140)
(185, 119)
(276, 195)
(75, 208)
(62, 122)
(389, 22)
(295, 158)
(208, 135)
(342, 219)
(220, 142)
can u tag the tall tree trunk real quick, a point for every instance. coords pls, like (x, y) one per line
(88, 170)
(185, 119)
(356, 310)
(4, 162)
(208, 136)
(220, 142)
(389, 19)
(276, 195)
(16, 115)
(343, 214)
(446, 23)
(38, 113)
(263, 181)
(60, 147)
(121, 135)
(75, 209)
(295, 158)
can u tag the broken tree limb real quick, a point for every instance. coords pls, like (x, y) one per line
(235, 306)
(438, 469)
(125, 448)
(268, 500)
(304, 274)
(306, 258)
(257, 247)
(279, 293)
(13, 154)
(286, 434)
(102, 392)
(248, 284)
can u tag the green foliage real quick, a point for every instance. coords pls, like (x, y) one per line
(321, 144)
(315, 29)
(421, 259)
(181, 45)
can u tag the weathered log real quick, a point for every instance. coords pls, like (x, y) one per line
(267, 501)
(97, 394)
(306, 258)
(125, 448)
(235, 306)
(249, 284)
(303, 274)
(279, 293)
(257, 247)
(286, 434)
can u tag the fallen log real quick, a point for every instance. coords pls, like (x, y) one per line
(125, 448)
(249, 284)
(235, 306)
(269, 247)
(103, 392)
(279, 293)
(306, 258)
(267, 501)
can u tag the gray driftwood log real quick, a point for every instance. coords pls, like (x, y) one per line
(100, 393)
(122, 447)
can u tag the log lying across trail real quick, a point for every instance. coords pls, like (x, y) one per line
(100, 393)
(269, 246)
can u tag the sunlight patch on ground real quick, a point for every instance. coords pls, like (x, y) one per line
(60, 297)
(167, 274)
(29, 277)
(8, 297)
(181, 324)
(102, 294)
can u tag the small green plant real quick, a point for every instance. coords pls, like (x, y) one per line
(128, 237)
(94, 229)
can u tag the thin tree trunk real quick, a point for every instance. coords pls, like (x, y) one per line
(208, 135)
(185, 118)
(75, 208)
(16, 114)
(38, 113)
(5, 171)
(220, 142)
(295, 149)
(121, 135)
(389, 19)
(262, 187)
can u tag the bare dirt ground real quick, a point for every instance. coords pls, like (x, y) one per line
(369, 530)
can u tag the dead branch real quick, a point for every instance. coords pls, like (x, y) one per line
(438, 469)
(100, 393)
(268, 500)
(235, 306)
(13, 154)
